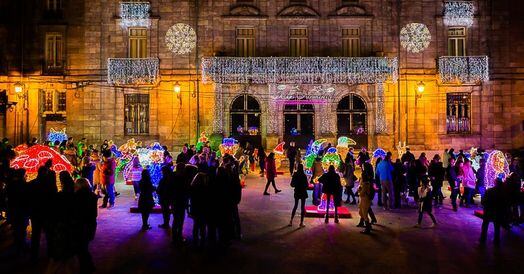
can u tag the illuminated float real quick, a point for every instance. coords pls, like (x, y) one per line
(20, 148)
(36, 156)
(228, 146)
(56, 136)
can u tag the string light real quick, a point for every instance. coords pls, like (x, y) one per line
(181, 38)
(415, 37)
(459, 13)
(54, 136)
(218, 122)
(36, 156)
(135, 14)
(464, 69)
(303, 70)
(496, 165)
(126, 71)
(380, 114)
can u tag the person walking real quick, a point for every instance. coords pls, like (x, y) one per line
(385, 174)
(85, 214)
(165, 191)
(108, 179)
(425, 201)
(436, 174)
(300, 184)
(365, 191)
(135, 175)
(262, 160)
(469, 182)
(494, 211)
(349, 176)
(332, 187)
(454, 182)
(271, 173)
(88, 169)
(291, 155)
(145, 201)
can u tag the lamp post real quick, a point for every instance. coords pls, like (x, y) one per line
(22, 93)
(176, 89)
(421, 87)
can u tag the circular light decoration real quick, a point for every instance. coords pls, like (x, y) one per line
(181, 38)
(415, 37)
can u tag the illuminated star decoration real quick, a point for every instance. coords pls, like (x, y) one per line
(496, 166)
(415, 37)
(54, 136)
(181, 39)
(459, 13)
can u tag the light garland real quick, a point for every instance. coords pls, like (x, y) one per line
(218, 122)
(459, 13)
(380, 114)
(36, 156)
(181, 39)
(496, 165)
(415, 37)
(129, 71)
(54, 136)
(135, 14)
(303, 70)
(464, 69)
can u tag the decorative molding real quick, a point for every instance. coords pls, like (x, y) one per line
(298, 11)
(243, 11)
(351, 11)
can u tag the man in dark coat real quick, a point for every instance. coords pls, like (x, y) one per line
(291, 154)
(332, 187)
(494, 211)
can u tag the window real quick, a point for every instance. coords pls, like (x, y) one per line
(299, 119)
(54, 101)
(457, 41)
(54, 5)
(53, 51)
(245, 115)
(298, 42)
(350, 42)
(245, 42)
(351, 115)
(136, 114)
(458, 113)
(137, 43)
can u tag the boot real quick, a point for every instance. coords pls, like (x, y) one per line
(361, 223)
(367, 230)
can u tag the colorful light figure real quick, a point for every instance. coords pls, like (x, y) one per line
(331, 157)
(36, 156)
(228, 146)
(379, 153)
(59, 136)
(312, 152)
(201, 141)
(496, 165)
(279, 154)
(343, 144)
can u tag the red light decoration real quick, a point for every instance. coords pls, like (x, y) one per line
(34, 157)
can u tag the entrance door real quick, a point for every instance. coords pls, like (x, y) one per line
(299, 124)
(352, 119)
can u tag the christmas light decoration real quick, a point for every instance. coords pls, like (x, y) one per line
(496, 166)
(36, 156)
(331, 158)
(228, 146)
(380, 114)
(181, 39)
(459, 13)
(312, 152)
(132, 71)
(279, 154)
(303, 70)
(463, 69)
(201, 141)
(343, 144)
(134, 14)
(415, 37)
(401, 149)
(218, 122)
(54, 136)
(379, 153)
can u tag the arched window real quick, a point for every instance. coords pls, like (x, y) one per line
(245, 114)
(299, 124)
(351, 116)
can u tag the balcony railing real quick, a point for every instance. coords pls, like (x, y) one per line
(135, 14)
(132, 71)
(306, 70)
(463, 69)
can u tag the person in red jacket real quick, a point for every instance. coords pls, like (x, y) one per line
(108, 179)
(271, 173)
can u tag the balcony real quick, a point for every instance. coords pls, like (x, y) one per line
(305, 70)
(463, 69)
(132, 71)
(135, 14)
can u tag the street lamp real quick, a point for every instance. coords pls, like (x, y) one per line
(420, 89)
(177, 89)
(19, 88)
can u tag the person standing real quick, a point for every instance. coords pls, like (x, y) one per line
(165, 195)
(425, 201)
(349, 176)
(454, 182)
(85, 214)
(365, 192)
(436, 174)
(494, 211)
(291, 155)
(145, 201)
(385, 174)
(108, 179)
(262, 160)
(271, 173)
(363, 156)
(17, 209)
(198, 194)
(180, 202)
(88, 169)
(445, 159)
(469, 182)
(135, 175)
(299, 182)
(332, 187)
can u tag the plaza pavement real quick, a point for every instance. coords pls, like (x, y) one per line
(269, 246)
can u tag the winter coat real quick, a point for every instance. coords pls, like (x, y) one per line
(145, 200)
(469, 178)
(331, 185)
(494, 205)
(385, 171)
(108, 172)
(425, 198)
(271, 169)
(299, 182)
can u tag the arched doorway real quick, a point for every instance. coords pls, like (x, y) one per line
(299, 124)
(352, 119)
(245, 120)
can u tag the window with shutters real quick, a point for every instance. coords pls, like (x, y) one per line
(458, 112)
(54, 51)
(457, 41)
(54, 101)
(136, 114)
(137, 43)
(350, 42)
(54, 5)
(298, 42)
(245, 42)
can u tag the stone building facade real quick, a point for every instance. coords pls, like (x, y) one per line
(59, 53)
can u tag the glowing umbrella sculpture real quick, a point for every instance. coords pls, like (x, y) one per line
(379, 153)
(496, 165)
(36, 156)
